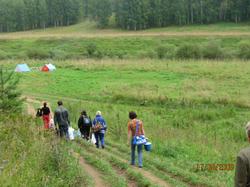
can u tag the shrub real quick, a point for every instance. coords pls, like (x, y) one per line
(165, 51)
(188, 51)
(244, 50)
(212, 50)
(91, 49)
(38, 54)
(58, 54)
(3, 55)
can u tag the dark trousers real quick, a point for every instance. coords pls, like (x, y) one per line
(85, 131)
(63, 131)
(99, 136)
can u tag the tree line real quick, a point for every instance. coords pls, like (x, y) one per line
(16, 15)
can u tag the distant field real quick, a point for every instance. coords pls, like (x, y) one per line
(89, 30)
(194, 111)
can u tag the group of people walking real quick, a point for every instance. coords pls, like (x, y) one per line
(98, 127)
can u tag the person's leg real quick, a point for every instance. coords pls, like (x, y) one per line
(97, 139)
(87, 133)
(66, 132)
(44, 121)
(82, 132)
(61, 131)
(139, 150)
(47, 121)
(102, 139)
(132, 153)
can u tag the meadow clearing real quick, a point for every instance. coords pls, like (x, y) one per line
(194, 109)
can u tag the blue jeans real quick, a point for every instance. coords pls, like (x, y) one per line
(100, 136)
(139, 150)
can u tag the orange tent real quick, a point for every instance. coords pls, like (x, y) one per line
(45, 68)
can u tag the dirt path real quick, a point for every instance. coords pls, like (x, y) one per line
(154, 179)
(90, 170)
(94, 173)
(37, 35)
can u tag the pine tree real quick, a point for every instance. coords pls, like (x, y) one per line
(10, 100)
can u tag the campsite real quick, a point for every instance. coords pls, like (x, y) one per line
(186, 78)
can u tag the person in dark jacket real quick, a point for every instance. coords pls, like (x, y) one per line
(84, 124)
(45, 115)
(242, 172)
(99, 127)
(61, 117)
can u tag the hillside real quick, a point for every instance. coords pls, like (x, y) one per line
(89, 29)
(187, 84)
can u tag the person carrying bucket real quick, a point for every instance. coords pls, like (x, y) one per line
(135, 128)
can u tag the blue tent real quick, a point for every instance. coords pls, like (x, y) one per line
(22, 68)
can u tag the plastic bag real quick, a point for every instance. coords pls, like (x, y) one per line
(71, 133)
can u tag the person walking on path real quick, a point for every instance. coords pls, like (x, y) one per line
(99, 128)
(84, 124)
(45, 115)
(134, 124)
(242, 172)
(61, 117)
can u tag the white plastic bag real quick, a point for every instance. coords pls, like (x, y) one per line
(93, 140)
(51, 124)
(71, 133)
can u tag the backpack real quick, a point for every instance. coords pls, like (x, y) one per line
(39, 112)
(86, 121)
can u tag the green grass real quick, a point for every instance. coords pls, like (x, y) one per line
(154, 47)
(194, 111)
(35, 157)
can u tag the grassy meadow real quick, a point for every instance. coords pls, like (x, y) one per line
(188, 84)
(194, 111)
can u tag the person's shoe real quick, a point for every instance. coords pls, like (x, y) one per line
(103, 146)
(140, 166)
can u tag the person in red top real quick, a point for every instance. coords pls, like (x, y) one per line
(46, 115)
(131, 133)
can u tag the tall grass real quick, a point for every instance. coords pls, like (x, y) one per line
(35, 157)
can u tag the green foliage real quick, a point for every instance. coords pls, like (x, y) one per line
(212, 50)
(36, 156)
(244, 50)
(189, 51)
(9, 95)
(129, 47)
(91, 49)
(38, 54)
(166, 51)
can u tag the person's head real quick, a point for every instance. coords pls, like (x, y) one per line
(84, 113)
(98, 113)
(248, 130)
(132, 115)
(60, 103)
(44, 104)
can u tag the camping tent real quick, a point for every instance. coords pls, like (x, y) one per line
(22, 68)
(48, 67)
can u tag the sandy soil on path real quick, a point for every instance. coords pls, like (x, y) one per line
(90, 170)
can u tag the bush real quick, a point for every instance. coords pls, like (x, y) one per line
(38, 54)
(189, 51)
(165, 51)
(3, 55)
(58, 54)
(91, 49)
(212, 50)
(244, 50)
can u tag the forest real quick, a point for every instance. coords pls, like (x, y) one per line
(20, 15)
